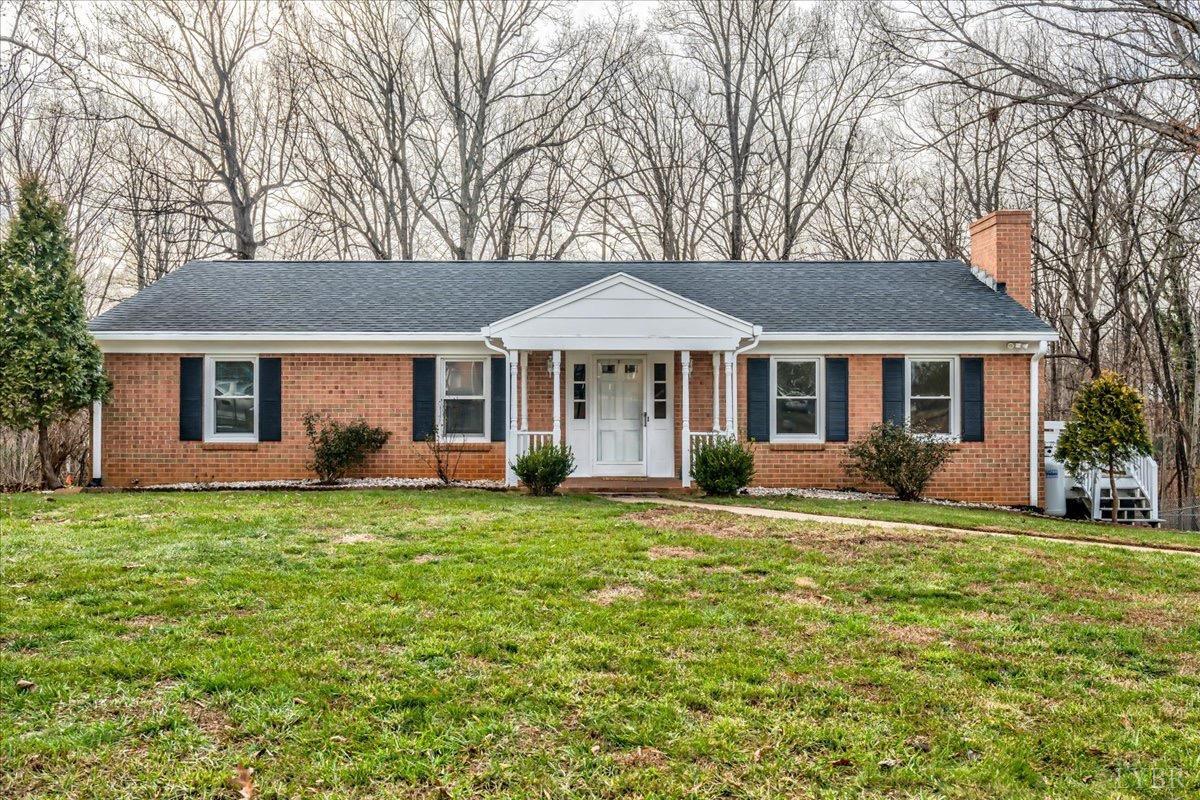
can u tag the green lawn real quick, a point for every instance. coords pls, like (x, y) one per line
(970, 518)
(472, 644)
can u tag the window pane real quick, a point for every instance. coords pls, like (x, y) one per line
(580, 371)
(464, 378)
(608, 369)
(580, 392)
(660, 409)
(233, 415)
(464, 417)
(660, 391)
(233, 378)
(931, 416)
(796, 378)
(796, 416)
(580, 409)
(930, 378)
(660, 372)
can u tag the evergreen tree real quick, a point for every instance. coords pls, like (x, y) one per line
(1107, 428)
(50, 366)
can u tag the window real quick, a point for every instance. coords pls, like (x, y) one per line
(579, 391)
(231, 404)
(463, 401)
(796, 388)
(931, 395)
(660, 391)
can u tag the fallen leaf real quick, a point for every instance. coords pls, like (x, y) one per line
(843, 762)
(244, 781)
(25, 686)
(889, 763)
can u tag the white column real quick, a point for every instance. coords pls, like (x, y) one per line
(557, 377)
(685, 363)
(730, 395)
(716, 399)
(524, 391)
(510, 436)
(97, 472)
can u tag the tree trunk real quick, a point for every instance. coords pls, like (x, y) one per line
(50, 477)
(1112, 488)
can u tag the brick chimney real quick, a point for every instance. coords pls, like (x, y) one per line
(1002, 246)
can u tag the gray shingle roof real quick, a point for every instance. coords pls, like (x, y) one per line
(438, 296)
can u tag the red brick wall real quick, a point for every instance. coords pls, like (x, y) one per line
(995, 470)
(141, 423)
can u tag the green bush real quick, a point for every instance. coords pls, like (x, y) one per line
(339, 447)
(899, 457)
(544, 467)
(722, 466)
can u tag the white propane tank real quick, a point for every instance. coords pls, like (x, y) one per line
(1056, 475)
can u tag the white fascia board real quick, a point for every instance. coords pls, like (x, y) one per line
(617, 343)
(965, 336)
(498, 327)
(288, 342)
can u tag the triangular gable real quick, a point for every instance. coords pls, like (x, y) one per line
(621, 312)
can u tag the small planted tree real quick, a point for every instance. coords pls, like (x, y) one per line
(338, 447)
(899, 457)
(1107, 428)
(544, 467)
(722, 466)
(50, 367)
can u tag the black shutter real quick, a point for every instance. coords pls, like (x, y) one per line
(837, 399)
(758, 399)
(191, 399)
(971, 391)
(499, 394)
(424, 398)
(893, 391)
(270, 399)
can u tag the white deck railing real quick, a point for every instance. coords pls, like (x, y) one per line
(1144, 470)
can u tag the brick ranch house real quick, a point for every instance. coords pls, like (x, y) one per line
(215, 365)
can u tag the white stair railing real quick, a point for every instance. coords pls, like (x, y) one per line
(1144, 470)
(702, 437)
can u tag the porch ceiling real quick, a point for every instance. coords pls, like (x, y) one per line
(621, 313)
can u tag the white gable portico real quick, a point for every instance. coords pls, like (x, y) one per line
(614, 347)
(620, 313)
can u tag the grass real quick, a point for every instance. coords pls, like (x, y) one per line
(468, 644)
(970, 518)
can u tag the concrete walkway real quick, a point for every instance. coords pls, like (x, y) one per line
(800, 516)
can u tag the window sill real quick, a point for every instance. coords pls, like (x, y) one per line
(229, 446)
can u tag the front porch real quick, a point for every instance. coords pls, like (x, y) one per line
(626, 373)
(633, 419)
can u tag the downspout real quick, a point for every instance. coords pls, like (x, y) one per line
(757, 331)
(510, 411)
(1035, 422)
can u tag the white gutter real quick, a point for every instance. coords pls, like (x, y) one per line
(285, 336)
(938, 336)
(1035, 422)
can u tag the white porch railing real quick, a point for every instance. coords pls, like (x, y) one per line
(694, 440)
(527, 440)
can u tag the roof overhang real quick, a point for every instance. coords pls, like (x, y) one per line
(620, 313)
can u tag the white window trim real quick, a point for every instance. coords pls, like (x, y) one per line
(487, 399)
(819, 436)
(955, 431)
(210, 434)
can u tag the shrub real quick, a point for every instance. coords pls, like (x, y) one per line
(339, 447)
(899, 457)
(544, 467)
(722, 466)
(1107, 428)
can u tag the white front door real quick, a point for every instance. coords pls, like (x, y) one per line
(620, 417)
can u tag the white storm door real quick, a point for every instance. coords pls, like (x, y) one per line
(620, 418)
